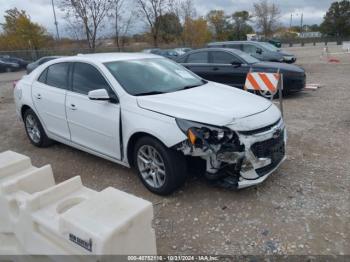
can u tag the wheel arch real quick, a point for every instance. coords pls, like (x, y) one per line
(132, 142)
(23, 109)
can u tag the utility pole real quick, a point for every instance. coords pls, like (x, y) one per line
(291, 21)
(301, 23)
(56, 24)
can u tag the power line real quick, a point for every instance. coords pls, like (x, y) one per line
(54, 15)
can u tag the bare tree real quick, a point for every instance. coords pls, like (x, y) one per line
(90, 13)
(152, 10)
(123, 23)
(188, 10)
(74, 29)
(182, 9)
(266, 16)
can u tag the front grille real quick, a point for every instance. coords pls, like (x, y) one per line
(259, 130)
(273, 148)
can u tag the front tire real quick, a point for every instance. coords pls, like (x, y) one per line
(35, 130)
(161, 170)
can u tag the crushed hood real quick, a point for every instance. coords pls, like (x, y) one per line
(212, 103)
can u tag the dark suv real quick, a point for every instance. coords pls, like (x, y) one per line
(263, 51)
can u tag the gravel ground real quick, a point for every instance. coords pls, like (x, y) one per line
(303, 208)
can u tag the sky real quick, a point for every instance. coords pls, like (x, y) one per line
(41, 12)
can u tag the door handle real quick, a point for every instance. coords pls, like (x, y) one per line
(73, 107)
(38, 96)
(215, 68)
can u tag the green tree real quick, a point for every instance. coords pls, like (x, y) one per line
(19, 32)
(170, 28)
(219, 24)
(240, 25)
(196, 32)
(337, 19)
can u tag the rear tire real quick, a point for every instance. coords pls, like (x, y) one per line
(35, 130)
(161, 170)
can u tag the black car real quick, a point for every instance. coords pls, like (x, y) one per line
(8, 66)
(32, 66)
(230, 67)
(21, 62)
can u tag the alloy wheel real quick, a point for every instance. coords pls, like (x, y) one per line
(151, 166)
(33, 129)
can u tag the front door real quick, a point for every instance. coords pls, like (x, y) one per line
(254, 51)
(93, 124)
(227, 69)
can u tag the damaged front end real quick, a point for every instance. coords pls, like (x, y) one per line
(235, 159)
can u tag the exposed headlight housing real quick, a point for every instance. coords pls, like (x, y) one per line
(203, 135)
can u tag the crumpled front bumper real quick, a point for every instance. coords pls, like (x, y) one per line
(244, 183)
(264, 153)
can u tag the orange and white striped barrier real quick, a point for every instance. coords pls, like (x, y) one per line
(265, 82)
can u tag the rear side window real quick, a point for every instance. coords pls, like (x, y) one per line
(250, 49)
(233, 46)
(87, 78)
(44, 60)
(42, 77)
(218, 57)
(57, 75)
(199, 58)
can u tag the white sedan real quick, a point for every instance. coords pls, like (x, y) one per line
(147, 112)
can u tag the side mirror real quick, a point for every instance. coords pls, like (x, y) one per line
(259, 51)
(99, 94)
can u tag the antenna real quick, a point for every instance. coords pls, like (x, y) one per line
(54, 15)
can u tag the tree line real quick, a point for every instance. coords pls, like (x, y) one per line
(165, 22)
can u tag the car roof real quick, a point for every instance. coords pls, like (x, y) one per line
(230, 50)
(109, 57)
(233, 42)
(46, 57)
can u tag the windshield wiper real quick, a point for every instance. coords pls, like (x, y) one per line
(150, 93)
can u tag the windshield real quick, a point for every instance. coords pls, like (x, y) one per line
(269, 46)
(248, 58)
(152, 76)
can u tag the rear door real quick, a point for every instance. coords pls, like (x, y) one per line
(227, 68)
(198, 63)
(93, 124)
(49, 96)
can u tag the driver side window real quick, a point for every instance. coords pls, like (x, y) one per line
(218, 57)
(87, 78)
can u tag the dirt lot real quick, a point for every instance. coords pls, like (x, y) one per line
(304, 208)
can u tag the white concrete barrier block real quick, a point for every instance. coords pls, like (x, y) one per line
(111, 222)
(38, 230)
(38, 217)
(9, 245)
(12, 163)
(18, 178)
